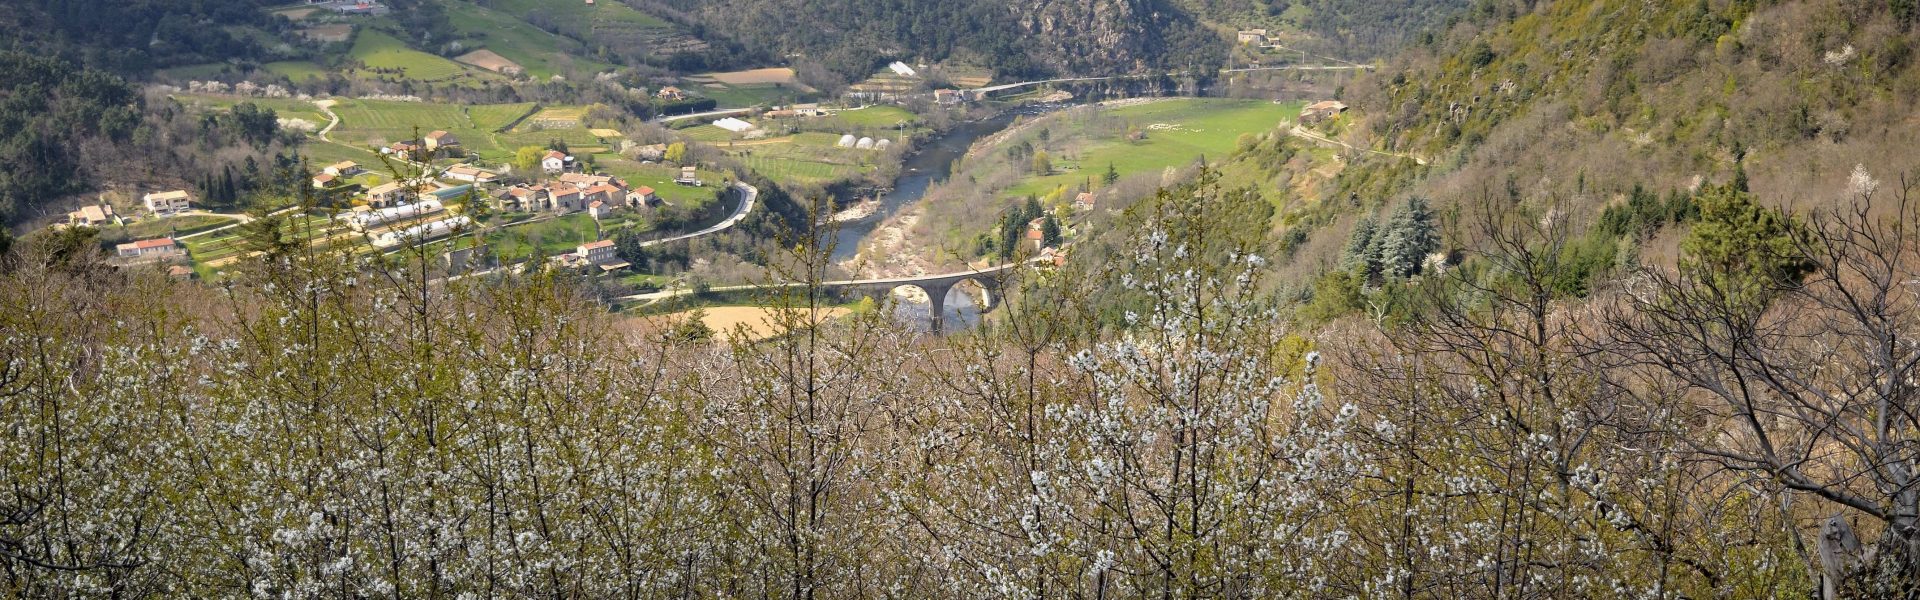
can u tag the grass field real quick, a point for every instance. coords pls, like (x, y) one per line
(1178, 131)
(660, 178)
(793, 170)
(876, 116)
(153, 228)
(282, 107)
(496, 116)
(579, 18)
(381, 51)
(553, 236)
(541, 53)
(365, 122)
(297, 70)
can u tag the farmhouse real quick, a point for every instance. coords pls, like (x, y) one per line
(91, 216)
(604, 193)
(166, 203)
(642, 196)
(585, 180)
(1037, 233)
(671, 93)
(555, 162)
(1084, 202)
(948, 96)
(345, 168)
(1324, 109)
(441, 139)
(689, 176)
(523, 197)
(1252, 36)
(599, 210)
(598, 253)
(387, 194)
(157, 248)
(322, 181)
(565, 198)
(402, 148)
(471, 174)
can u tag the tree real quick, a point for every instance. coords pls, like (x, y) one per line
(676, 152)
(526, 159)
(1050, 232)
(1751, 252)
(1407, 239)
(1790, 338)
(692, 328)
(1110, 177)
(1359, 257)
(1042, 164)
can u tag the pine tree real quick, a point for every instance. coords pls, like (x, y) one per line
(1359, 257)
(1410, 237)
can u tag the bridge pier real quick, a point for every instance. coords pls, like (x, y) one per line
(937, 303)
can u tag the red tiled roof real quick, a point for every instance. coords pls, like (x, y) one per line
(149, 244)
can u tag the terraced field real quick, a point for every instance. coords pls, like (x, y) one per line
(540, 53)
(378, 50)
(493, 117)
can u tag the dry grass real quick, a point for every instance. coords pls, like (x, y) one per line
(756, 76)
(487, 59)
(729, 321)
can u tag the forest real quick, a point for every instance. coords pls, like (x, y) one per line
(322, 425)
(67, 129)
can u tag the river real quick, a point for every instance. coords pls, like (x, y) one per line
(928, 165)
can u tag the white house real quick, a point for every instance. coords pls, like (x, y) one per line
(166, 203)
(599, 253)
(91, 216)
(471, 174)
(554, 162)
(345, 168)
(154, 248)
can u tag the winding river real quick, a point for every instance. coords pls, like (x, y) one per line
(931, 163)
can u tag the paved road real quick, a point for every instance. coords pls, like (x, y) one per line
(752, 196)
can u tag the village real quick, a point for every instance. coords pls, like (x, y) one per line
(426, 203)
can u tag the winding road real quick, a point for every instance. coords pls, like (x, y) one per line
(1303, 133)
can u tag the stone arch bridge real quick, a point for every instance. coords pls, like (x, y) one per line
(991, 279)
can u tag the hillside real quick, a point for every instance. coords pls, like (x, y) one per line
(1356, 29)
(1013, 37)
(1576, 97)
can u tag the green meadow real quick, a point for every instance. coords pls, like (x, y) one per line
(381, 51)
(1177, 133)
